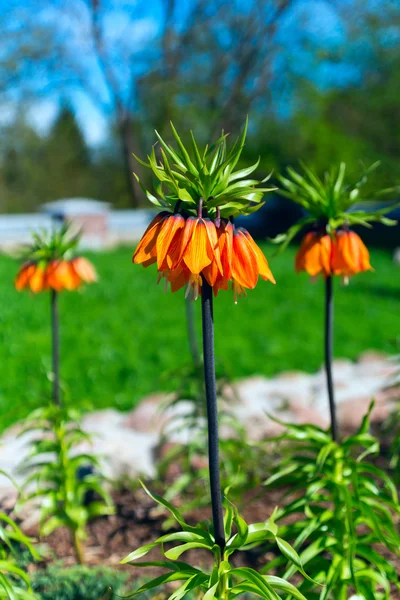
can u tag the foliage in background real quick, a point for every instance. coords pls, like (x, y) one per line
(78, 583)
(66, 481)
(14, 581)
(346, 510)
(226, 581)
(391, 426)
(135, 367)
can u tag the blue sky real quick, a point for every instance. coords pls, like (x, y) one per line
(135, 24)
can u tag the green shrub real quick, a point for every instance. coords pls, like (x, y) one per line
(78, 583)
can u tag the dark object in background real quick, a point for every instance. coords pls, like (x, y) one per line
(275, 217)
(278, 214)
(82, 473)
(380, 235)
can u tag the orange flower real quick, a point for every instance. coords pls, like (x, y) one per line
(315, 254)
(350, 255)
(58, 275)
(188, 249)
(32, 276)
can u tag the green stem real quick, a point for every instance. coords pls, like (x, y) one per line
(77, 547)
(55, 335)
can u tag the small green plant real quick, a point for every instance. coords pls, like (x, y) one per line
(391, 426)
(225, 581)
(69, 498)
(78, 583)
(14, 582)
(346, 510)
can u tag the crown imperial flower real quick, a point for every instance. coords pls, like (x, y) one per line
(331, 248)
(49, 264)
(194, 236)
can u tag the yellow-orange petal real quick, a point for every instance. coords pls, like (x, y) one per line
(244, 262)
(315, 254)
(212, 233)
(169, 229)
(23, 276)
(350, 255)
(211, 273)
(84, 269)
(53, 281)
(198, 253)
(262, 263)
(61, 275)
(146, 251)
(226, 248)
(37, 281)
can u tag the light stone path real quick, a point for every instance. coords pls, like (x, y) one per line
(127, 441)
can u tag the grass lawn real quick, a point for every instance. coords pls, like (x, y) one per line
(121, 337)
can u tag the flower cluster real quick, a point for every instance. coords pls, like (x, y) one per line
(50, 263)
(330, 207)
(187, 249)
(57, 275)
(343, 253)
(193, 239)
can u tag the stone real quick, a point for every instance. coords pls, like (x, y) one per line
(129, 443)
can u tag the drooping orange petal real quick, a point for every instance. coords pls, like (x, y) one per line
(326, 254)
(23, 276)
(37, 281)
(61, 275)
(214, 245)
(215, 269)
(315, 254)
(178, 278)
(262, 263)
(84, 269)
(198, 253)
(183, 238)
(222, 283)
(166, 234)
(244, 262)
(350, 255)
(211, 273)
(53, 281)
(226, 248)
(145, 252)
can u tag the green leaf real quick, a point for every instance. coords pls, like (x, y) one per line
(142, 551)
(284, 586)
(292, 555)
(175, 553)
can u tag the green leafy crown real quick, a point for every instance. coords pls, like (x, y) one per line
(331, 201)
(51, 245)
(185, 177)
